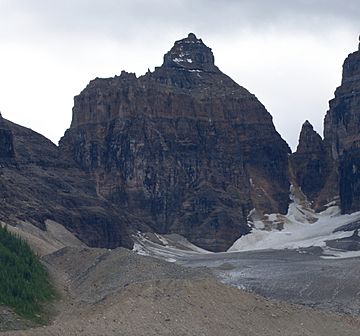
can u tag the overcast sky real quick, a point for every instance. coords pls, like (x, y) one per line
(288, 53)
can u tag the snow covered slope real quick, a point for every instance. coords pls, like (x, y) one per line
(300, 228)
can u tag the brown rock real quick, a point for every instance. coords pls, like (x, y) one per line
(183, 149)
(37, 183)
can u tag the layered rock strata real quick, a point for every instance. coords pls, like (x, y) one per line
(38, 183)
(342, 133)
(183, 149)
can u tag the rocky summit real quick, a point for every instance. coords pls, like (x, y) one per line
(183, 149)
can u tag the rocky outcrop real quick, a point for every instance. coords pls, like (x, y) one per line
(342, 133)
(349, 180)
(328, 169)
(6, 141)
(310, 164)
(342, 123)
(183, 149)
(38, 183)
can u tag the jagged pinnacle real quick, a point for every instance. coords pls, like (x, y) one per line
(307, 124)
(190, 53)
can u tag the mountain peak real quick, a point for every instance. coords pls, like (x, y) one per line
(307, 124)
(351, 73)
(309, 140)
(193, 36)
(190, 53)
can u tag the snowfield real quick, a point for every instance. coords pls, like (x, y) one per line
(300, 228)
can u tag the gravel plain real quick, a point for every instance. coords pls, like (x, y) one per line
(118, 292)
(121, 293)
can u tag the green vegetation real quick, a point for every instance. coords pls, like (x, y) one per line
(24, 282)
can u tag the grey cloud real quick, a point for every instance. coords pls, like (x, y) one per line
(126, 19)
(66, 27)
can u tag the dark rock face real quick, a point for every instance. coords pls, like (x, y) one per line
(342, 123)
(349, 180)
(6, 141)
(183, 149)
(342, 133)
(38, 183)
(191, 54)
(329, 168)
(310, 163)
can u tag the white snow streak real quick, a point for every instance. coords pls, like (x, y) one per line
(302, 228)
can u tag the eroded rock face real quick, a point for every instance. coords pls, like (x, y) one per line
(342, 123)
(38, 183)
(342, 133)
(329, 168)
(183, 149)
(310, 163)
(349, 173)
(6, 141)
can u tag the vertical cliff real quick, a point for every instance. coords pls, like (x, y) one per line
(342, 123)
(183, 149)
(6, 141)
(311, 164)
(342, 133)
(325, 169)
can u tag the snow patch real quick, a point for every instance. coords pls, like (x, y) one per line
(175, 247)
(139, 249)
(302, 228)
(162, 239)
(178, 60)
(337, 254)
(181, 58)
(172, 260)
